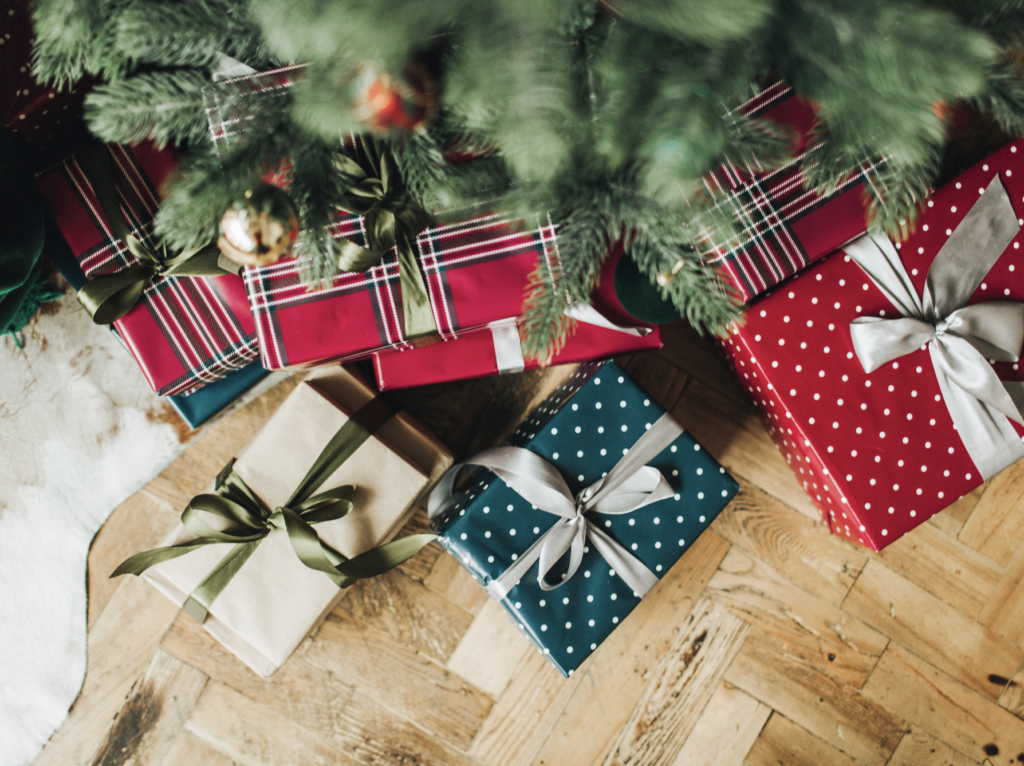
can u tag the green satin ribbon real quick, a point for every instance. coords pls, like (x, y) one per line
(393, 219)
(252, 520)
(109, 297)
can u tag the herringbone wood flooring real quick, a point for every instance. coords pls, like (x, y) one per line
(770, 643)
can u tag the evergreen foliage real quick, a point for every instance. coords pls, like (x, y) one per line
(607, 115)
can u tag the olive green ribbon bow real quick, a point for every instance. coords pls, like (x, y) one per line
(109, 297)
(392, 219)
(251, 520)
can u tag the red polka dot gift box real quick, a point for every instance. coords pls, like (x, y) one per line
(888, 375)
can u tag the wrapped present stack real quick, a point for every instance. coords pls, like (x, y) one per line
(473, 275)
(598, 495)
(887, 374)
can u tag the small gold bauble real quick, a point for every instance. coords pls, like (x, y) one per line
(664, 278)
(258, 230)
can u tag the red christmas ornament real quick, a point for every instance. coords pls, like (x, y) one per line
(395, 102)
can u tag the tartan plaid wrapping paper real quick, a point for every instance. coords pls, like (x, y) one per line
(185, 331)
(476, 271)
(783, 227)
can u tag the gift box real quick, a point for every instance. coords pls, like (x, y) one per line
(474, 271)
(609, 494)
(184, 332)
(862, 376)
(781, 226)
(274, 599)
(196, 408)
(497, 350)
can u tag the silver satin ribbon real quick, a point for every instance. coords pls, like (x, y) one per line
(630, 485)
(508, 349)
(959, 338)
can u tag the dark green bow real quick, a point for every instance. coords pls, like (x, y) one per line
(251, 520)
(393, 219)
(109, 297)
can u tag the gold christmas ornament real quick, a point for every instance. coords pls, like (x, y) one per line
(258, 230)
(665, 278)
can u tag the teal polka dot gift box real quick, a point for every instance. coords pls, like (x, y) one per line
(597, 496)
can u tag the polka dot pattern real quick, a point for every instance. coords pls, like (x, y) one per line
(876, 453)
(584, 610)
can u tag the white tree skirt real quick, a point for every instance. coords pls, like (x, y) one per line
(81, 432)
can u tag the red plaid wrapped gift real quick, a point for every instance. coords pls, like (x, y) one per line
(475, 271)
(887, 375)
(496, 350)
(185, 331)
(782, 227)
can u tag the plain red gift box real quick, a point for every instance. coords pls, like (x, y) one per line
(473, 355)
(877, 453)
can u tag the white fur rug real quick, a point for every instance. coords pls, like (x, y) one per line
(78, 435)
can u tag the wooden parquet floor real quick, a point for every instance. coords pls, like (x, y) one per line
(771, 643)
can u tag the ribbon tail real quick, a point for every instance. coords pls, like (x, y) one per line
(1015, 390)
(880, 261)
(199, 601)
(627, 566)
(379, 560)
(109, 297)
(140, 562)
(990, 440)
(306, 543)
(419, 314)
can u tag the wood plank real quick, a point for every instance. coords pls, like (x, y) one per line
(453, 581)
(662, 380)
(919, 748)
(678, 690)
(801, 549)
(254, 735)
(524, 714)
(619, 671)
(419, 566)
(935, 631)
(783, 743)
(809, 628)
(949, 711)
(409, 684)
(952, 519)
(189, 751)
(409, 612)
(725, 731)
(1012, 697)
(834, 711)
(736, 438)
(996, 526)
(135, 525)
(158, 705)
(490, 650)
(120, 646)
(1004, 612)
(315, 700)
(699, 357)
(944, 567)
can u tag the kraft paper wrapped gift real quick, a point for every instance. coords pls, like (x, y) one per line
(274, 600)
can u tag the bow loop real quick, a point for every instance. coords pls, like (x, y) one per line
(959, 338)
(392, 219)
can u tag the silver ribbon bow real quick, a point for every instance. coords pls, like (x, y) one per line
(508, 349)
(630, 485)
(959, 338)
